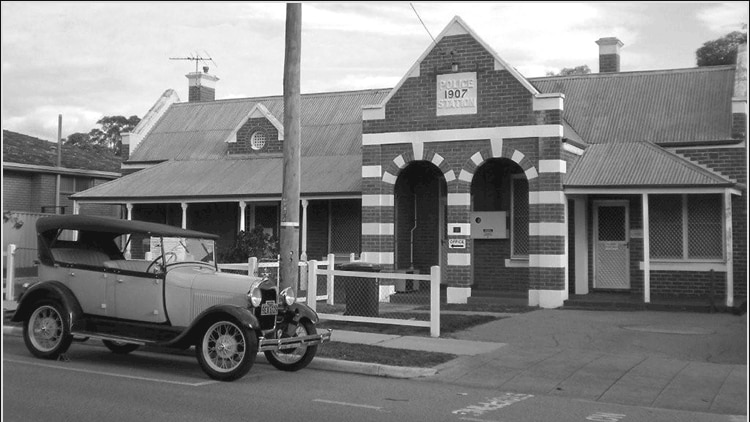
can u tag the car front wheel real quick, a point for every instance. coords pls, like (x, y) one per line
(227, 350)
(298, 358)
(46, 331)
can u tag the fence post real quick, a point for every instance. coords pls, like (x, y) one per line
(352, 257)
(303, 282)
(312, 284)
(329, 278)
(10, 276)
(252, 266)
(435, 301)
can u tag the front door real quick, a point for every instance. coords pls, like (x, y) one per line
(611, 246)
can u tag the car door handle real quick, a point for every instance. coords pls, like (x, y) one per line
(120, 280)
(72, 274)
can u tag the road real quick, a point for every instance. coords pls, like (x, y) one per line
(96, 385)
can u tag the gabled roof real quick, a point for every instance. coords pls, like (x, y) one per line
(668, 106)
(457, 27)
(638, 165)
(28, 150)
(236, 178)
(331, 125)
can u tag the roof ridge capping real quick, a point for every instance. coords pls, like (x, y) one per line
(456, 26)
(720, 68)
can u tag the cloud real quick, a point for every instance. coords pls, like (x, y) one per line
(723, 18)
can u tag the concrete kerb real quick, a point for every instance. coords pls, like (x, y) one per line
(325, 364)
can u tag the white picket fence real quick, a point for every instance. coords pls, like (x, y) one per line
(310, 270)
(10, 277)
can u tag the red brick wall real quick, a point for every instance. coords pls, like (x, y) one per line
(730, 162)
(242, 146)
(16, 192)
(490, 272)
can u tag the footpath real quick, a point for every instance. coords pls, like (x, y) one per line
(673, 360)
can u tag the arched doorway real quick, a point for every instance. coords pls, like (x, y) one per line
(500, 226)
(420, 207)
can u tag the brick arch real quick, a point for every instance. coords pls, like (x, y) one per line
(483, 155)
(400, 162)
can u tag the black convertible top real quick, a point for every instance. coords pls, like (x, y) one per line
(113, 225)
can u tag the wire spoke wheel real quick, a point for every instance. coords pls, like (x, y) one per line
(46, 331)
(227, 350)
(297, 358)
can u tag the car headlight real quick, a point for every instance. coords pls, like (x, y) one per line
(287, 295)
(254, 296)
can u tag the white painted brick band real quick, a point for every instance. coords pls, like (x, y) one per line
(547, 197)
(371, 171)
(382, 229)
(377, 200)
(547, 229)
(553, 166)
(463, 199)
(389, 178)
(459, 259)
(465, 176)
(548, 261)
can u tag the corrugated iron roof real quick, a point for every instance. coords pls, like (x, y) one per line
(331, 125)
(670, 106)
(638, 164)
(230, 178)
(23, 149)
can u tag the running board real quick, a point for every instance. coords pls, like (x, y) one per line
(272, 344)
(119, 339)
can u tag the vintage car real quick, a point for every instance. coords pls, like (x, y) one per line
(134, 283)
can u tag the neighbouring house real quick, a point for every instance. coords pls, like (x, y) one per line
(629, 182)
(39, 179)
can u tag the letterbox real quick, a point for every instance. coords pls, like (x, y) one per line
(489, 225)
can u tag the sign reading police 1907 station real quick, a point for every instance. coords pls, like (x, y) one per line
(457, 93)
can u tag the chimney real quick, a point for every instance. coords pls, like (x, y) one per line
(201, 86)
(609, 54)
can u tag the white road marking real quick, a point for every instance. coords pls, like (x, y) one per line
(111, 374)
(493, 404)
(341, 403)
(477, 420)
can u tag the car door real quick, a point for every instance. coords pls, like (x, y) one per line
(139, 296)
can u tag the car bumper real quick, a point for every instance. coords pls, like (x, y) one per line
(272, 344)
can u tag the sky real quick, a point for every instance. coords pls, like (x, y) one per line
(86, 60)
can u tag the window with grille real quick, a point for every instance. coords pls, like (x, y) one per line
(686, 227)
(520, 216)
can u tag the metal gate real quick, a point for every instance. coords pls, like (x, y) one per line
(611, 245)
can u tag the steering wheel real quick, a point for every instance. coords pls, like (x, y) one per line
(167, 257)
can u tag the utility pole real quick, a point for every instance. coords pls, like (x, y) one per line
(290, 195)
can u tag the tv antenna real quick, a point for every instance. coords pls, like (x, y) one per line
(197, 58)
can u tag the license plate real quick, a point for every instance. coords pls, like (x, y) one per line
(269, 308)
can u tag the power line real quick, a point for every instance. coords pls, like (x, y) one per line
(425, 27)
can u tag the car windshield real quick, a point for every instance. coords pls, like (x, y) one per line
(180, 249)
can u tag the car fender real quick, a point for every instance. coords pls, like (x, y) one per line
(300, 311)
(49, 290)
(191, 334)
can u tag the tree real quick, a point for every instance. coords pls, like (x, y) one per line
(720, 51)
(570, 71)
(109, 136)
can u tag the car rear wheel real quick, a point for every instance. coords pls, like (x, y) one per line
(46, 332)
(119, 347)
(298, 358)
(227, 350)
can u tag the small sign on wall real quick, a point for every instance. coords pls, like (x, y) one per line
(456, 93)
(456, 243)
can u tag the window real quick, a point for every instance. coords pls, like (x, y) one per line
(520, 216)
(257, 140)
(686, 227)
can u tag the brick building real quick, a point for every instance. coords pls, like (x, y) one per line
(617, 181)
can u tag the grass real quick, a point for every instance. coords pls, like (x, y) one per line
(382, 355)
(449, 323)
